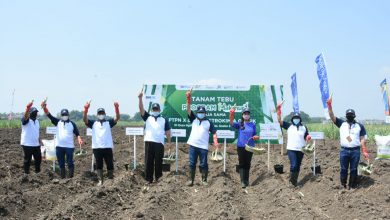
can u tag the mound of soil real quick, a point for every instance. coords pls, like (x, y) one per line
(45, 196)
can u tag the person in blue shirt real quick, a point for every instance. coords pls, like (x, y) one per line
(246, 135)
(64, 141)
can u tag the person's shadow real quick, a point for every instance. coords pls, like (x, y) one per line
(365, 181)
(259, 179)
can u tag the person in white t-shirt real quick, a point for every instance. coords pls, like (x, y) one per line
(102, 143)
(64, 142)
(199, 141)
(29, 140)
(156, 128)
(297, 135)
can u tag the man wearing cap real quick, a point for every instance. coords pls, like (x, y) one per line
(64, 139)
(30, 139)
(156, 128)
(102, 143)
(297, 136)
(199, 141)
(352, 138)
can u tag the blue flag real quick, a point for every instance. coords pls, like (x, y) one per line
(385, 95)
(323, 77)
(294, 91)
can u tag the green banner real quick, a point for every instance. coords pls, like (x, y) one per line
(218, 100)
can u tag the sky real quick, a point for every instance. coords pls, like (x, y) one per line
(73, 51)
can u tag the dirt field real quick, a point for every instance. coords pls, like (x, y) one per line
(42, 196)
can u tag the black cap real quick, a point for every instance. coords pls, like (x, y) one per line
(350, 112)
(246, 110)
(156, 106)
(200, 109)
(33, 109)
(64, 112)
(296, 115)
(101, 110)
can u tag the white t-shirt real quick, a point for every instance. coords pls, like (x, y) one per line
(200, 132)
(296, 136)
(30, 133)
(155, 128)
(352, 130)
(101, 133)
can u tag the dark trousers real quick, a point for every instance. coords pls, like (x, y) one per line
(349, 158)
(295, 158)
(196, 152)
(244, 158)
(61, 153)
(106, 155)
(154, 153)
(30, 152)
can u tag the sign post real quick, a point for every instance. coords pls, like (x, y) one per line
(316, 136)
(135, 131)
(53, 131)
(178, 133)
(269, 132)
(89, 133)
(225, 134)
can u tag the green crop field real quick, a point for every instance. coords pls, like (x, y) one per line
(332, 131)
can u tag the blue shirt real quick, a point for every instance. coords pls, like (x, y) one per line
(245, 133)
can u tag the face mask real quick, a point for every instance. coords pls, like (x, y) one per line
(154, 114)
(65, 117)
(246, 117)
(101, 117)
(201, 115)
(33, 115)
(296, 121)
(350, 118)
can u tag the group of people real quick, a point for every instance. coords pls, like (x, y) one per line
(157, 129)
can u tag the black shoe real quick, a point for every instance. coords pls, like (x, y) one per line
(242, 177)
(204, 177)
(191, 178)
(71, 172)
(294, 178)
(246, 177)
(62, 173)
(352, 182)
(343, 182)
(110, 174)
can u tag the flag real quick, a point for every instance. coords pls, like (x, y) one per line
(294, 91)
(385, 95)
(323, 78)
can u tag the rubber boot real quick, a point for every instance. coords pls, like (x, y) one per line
(100, 177)
(343, 182)
(242, 177)
(71, 172)
(352, 182)
(246, 177)
(110, 174)
(204, 177)
(294, 178)
(191, 177)
(26, 167)
(62, 173)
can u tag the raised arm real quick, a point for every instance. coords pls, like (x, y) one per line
(117, 114)
(141, 103)
(188, 96)
(85, 113)
(279, 113)
(53, 119)
(330, 109)
(27, 112)
(231, 116)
